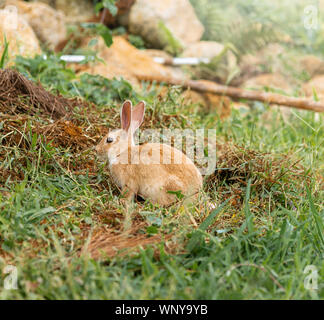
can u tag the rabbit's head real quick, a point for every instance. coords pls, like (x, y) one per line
(117, 141)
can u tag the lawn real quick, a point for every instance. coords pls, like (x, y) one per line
(64, 227)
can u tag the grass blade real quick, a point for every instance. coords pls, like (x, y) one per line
(5, 55)
(248, 215)
(204, 225)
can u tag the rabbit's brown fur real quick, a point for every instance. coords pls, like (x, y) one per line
(150, 170)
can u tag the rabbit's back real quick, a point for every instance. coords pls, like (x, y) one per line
(154, 170)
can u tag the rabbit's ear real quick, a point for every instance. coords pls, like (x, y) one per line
(138, 115)
(126, 115)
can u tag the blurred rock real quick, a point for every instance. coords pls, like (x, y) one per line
(190, 96)
(250, 66)
(111, 71)
(203, 49)
(74, 10)
(269, 80)
(315, 84)
(264, 61)
(276, 59)
(124, 60)
(271, 50)
(83, 10)
(47, 23)
(312, 65)
(21, 37)
(221, 104)
(211, 101)
(273, 81)
(178, 16)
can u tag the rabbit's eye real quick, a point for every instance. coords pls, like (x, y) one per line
(109, 140)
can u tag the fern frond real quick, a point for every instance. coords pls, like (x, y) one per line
(248, 25)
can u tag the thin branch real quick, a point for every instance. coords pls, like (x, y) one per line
(103, 15)
(237, 93)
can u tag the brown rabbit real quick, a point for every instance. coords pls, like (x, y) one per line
(149, 170)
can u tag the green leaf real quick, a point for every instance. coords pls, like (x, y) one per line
(196, 236)
(7, 245)
(37, 214)
(209, 220)
(152, 218)
(92, 42)
(173, 46)
(98, 7)
(111, 6)
(105, 33)
(178, 194)
(99, 29)
(152, 230)
(175, 273)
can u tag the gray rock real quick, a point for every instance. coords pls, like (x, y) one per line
(74, 10)
(203, 49)
(179, 18)
(47, 23)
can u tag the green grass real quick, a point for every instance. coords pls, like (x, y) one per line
(4, 54)
(48, 212)
(250, 25)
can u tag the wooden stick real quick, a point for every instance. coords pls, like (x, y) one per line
(103, 15)
(237, 93)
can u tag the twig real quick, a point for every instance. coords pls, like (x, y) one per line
(237, 93)
(103, 15)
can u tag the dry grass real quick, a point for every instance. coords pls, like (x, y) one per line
(107, 242)
(20, 95)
